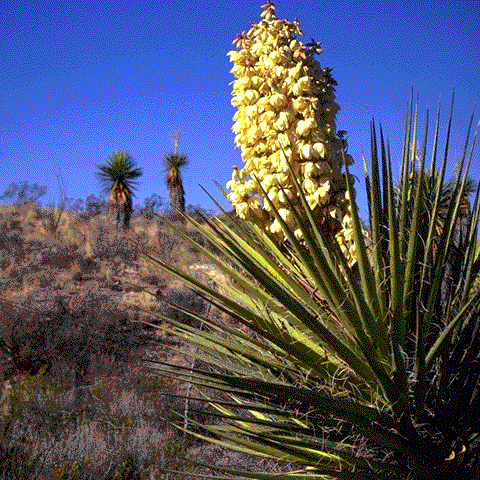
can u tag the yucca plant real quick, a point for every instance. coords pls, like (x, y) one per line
(368, 371)
(173, 163)
(363, 369)
(117, 176)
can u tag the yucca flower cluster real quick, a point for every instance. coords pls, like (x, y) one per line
(286, 116)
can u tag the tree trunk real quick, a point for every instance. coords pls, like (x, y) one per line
(177, 197)
(121, 214)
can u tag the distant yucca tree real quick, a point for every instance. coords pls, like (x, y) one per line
(368, 371)
(117, 176)
(173, 162)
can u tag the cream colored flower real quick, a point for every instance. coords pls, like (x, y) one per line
(310, 185)
(286, 214)
(310, 169)
(282, 122)
(242, 209)
(284, 194)
(312, 201)
(304, 126)
(302, 85)
(300, 104)
(275, 227)
(283, 140)
(307, 151)
(251, 96)
(278, 100)
(298, 234)
(285, 121)
(268, 181)
(322, 192)
(320, 149)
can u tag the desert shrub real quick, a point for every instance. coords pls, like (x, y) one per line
(24, 192)
(95, 205)
(34, 401)
(169, 298)
(89, 336)
(109, 440)
(110, 246)
(17, 462)
(74, 205)
(172, 216)
(71, 472)
(123, 437)
(35, 265)
(58, 255)
(151, 206)
(20, 415)
(10, 241)
(127, 469)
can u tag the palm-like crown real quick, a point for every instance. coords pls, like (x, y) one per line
(118, 173)
(173, 162)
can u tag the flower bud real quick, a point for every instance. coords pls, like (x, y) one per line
(278, 101)
(320, 150)
(251, 96)
(304, 126)
(307, 151)
(275, 227)
(302, 85)
(295, 45)
(310, 185)
(282, 121)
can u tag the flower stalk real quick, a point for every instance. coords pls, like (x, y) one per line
(285, 125)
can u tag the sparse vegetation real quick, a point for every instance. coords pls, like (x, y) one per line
(307, 344)
(74, 384)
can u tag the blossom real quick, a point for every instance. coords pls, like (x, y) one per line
(285, 121)
(278, 100)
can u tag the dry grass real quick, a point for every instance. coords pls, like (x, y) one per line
(118, 422)
(80, 247)
(64, 281)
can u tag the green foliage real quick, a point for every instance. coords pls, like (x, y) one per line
(156, 388)
(119, 170)
(21, 401)
(173, 450)
(16, 458)
(121, 421)
(154, 384)
(73, 472)
(17, 462)
(363, 371)
(126, 471)
(175, 160)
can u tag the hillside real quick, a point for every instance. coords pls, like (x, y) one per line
(70, 292)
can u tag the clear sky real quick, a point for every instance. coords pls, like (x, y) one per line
(81, 79)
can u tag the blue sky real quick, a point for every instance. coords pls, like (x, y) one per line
(81, 79)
